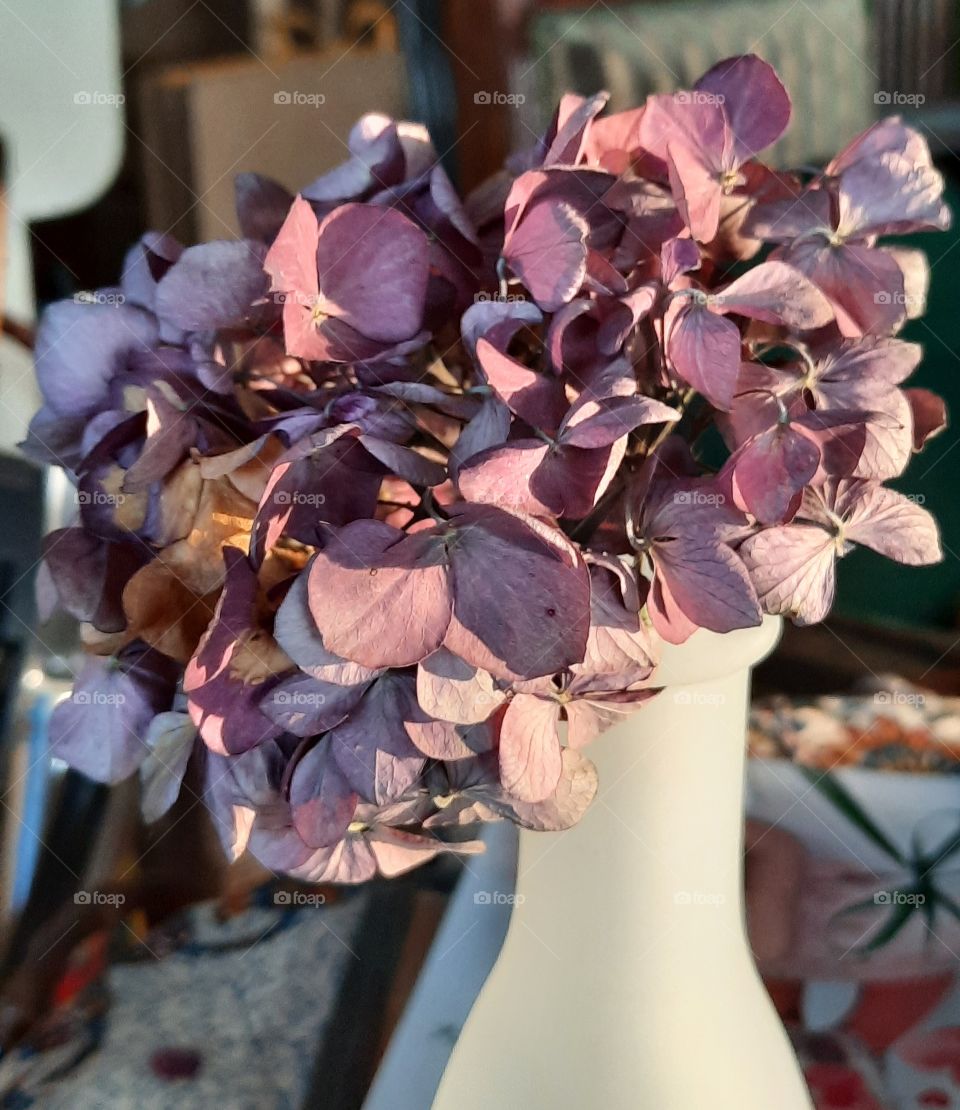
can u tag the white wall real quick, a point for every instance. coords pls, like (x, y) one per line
(62, 125)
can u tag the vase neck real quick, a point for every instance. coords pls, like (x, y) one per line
(665, 829)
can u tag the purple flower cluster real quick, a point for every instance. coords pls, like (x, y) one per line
(384, 508)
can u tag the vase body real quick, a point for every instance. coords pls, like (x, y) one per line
(625, 980)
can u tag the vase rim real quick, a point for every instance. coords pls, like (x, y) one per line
(712, 655)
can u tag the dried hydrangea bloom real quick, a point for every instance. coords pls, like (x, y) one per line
(385, 507)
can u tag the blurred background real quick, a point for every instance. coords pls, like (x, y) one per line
(119, 117)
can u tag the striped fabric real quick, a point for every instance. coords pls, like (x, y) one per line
(916, 40)
(821, 48)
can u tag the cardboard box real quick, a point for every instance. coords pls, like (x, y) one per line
(204, 123)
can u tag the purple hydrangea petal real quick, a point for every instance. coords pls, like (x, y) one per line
(321, 801)
(80, 349)
(262, 206)
(101, 728)
(170, 739)
(213, 285)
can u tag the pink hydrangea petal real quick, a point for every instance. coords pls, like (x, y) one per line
(696, 189)
(304, 706)
(755, 103)
(610, 140)
(405, 462)
(619, 642)
(373, 266)
(537, 398)
(697, 122)
(781, 221)
(915, 268)
(864, 285)
(600, 423)
(669, 620)
(504, 476)
(678, 257)
(573, 479)
(396, 851)
(929, 415)
(530, 760)
(362, 600)
(574, 116)
(771, 471)
(865, 367)
(447, 741)
(223, 707)
(793, 569)
(575, 187)
(452, 690)
(887, 440)
(708, 583)
(891, 194)
(533, 477)
(292, 260)
(497, 321)
(777, 294)
(890, 523)
(705, 350)
(100, 728)
(296, 632)
(571, 797)
(548, 253)
(883, 135)
(350, 861)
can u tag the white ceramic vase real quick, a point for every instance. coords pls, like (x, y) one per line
(626, 981)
